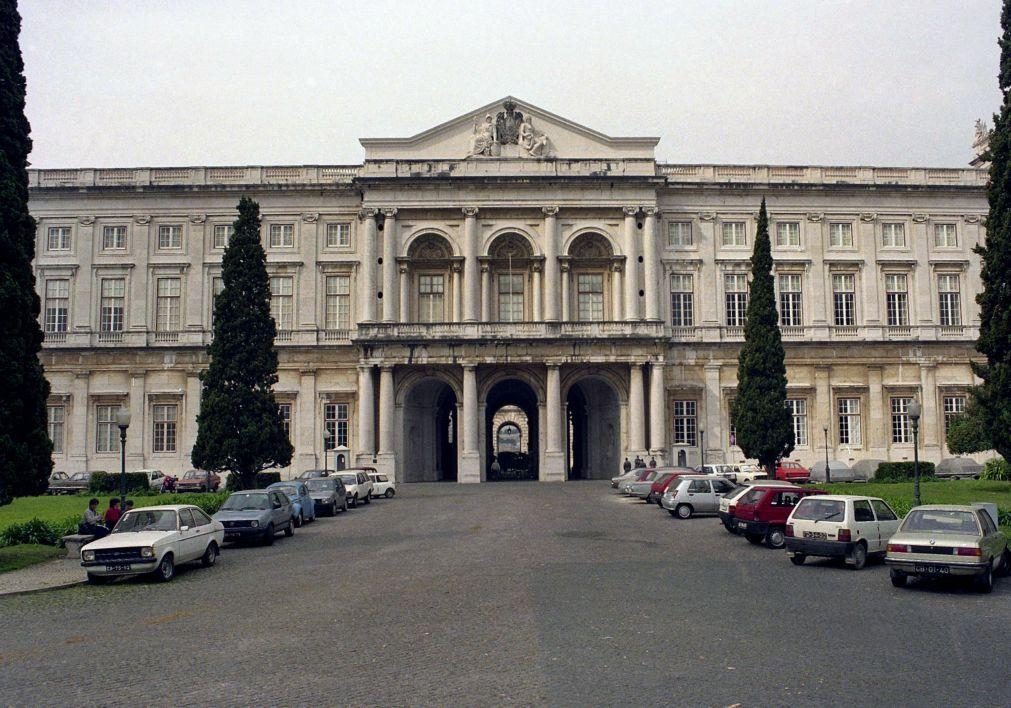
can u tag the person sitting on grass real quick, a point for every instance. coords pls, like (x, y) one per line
(112, 514)
(92, 523)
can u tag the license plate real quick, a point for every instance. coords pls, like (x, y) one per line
(229, 534)
(742, 524)
(816, 535)
(116, 567)
(932, 569)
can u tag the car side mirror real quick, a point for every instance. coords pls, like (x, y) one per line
(276, 505)
(184, 528)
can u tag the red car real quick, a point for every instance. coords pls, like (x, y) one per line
(790, 471)
(761, 513)
(656, 492)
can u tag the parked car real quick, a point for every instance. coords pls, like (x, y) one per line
(155, 478)
(660, 487)
(840, 526)
(632, 474)
(696, 494)
(74, 483)
(750, 473)
(939, 540)
(727, 471)
(305, 507)
(357, 484)
(382, 485)
(761, 514)
(641, 483)
(790, 471)
(315, 474)
(154, 539)
(198, 481)
(257, 514)
(57, 477)
(644, 489)
(327, 494)
(727, 501)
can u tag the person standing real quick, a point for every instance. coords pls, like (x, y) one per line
(652, 462)
(627, 467)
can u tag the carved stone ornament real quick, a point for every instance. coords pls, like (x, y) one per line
(367, 214)
(198, 218)
(919, 218)
(507, 124)
(590, 245)
(469, 212)
(630, 210)
(550, 210)
(508, 128)
(142, 220)
(86, 220)
(707, 216)
(390, 212)
(310, 218)
(650, 211)
(867, 217)
(973, 218)
(815, 217)
(482, 142)
(430, 247)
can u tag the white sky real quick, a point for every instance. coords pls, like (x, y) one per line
(220, 82)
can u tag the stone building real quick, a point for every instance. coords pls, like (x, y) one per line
(512, 268)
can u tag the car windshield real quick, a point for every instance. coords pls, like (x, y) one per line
(664, 477)
(321, 485)
(147, 520)
(80, 475)
(290, 491)
(941, 522)
(349, 479)
(241, 502)
(812, 509)
(194, 474)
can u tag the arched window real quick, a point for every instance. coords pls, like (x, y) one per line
(591, 260)
(510, 263)
(430, 258)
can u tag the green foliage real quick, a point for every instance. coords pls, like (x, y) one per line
(262, 480)
(44, 532)
(239, 424)
(25, 449)
(967, 432)
(763, 423)
(993, 396)
(24, 555)
(996, 470)
(210, 503)
(902, 471)
(106, 483)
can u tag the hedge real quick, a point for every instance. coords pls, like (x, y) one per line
(106, 483)
(901, 471)
(263, 479)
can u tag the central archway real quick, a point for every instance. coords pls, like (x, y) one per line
(593, 420)
(511, 403)
(430, 433)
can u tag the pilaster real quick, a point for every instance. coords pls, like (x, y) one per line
(366, 415)
(551, 290)
(471, 276)
(651, 262)
(657, 413)
(391, 300)
(631, 264)
(636, 413)
(367, 268)
(470, 456)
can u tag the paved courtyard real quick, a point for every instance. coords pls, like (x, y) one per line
(510, 593)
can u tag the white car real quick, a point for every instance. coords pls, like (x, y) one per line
(382, 486)
(730, 472)
(154, 539)
(155, 478)
(840, 526)
(357, 484)
(750, 473)
(617, 482)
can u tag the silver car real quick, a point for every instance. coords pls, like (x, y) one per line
(696, 494)
(641, 487)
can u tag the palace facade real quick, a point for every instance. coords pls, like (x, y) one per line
(510, 284)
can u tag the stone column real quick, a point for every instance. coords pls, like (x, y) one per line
(554, 453)
(366, 416)
(922, 301)
(470, 456)
(636, 423)
(138, 419)
(651, 262)
(566, 315)
(485, 292)
(550, 263)
(822, 417)
(713, 416)
(386, 458)
(78, 443)
(308, 303)
(535, 307)
(471, 277)
(616, 311)
(457, 293)
(86, 282)
(192, 281)
(657, 413)
(390, 246)
(931, 422)
(631, 264)
(308, 438)
(879, 426)
(405, 291)
(367, 273)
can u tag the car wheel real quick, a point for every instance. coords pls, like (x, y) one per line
(775, 538)
(858, 556)
(368, 498)
(344, 504)
(684, 511)
(299, 520)
(984, 582)
(210, 555)
(333, 508)
(389, 494)
(753, 538)
(798, 558)
(98, 579)
(290, 531)
(898, 579)
(354, 502)
(166, 569)
(1005, 562)
(268, 537)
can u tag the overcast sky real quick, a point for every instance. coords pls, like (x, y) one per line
(222, 82)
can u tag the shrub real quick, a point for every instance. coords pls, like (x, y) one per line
(210, 503)
(996, 470)
(263, 479)
(46, 533)
(901, 471)
(105, 483)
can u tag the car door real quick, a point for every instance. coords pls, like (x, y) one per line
(888, 523)
(721, 488)
(280, 513)
(993, 541)
(865, 525)
(189, 539)
(700, 494)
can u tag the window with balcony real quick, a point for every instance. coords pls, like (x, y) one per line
(590, 297)
(338, 235)
(791, 300)
(788, 233)
(735, 287)
(55, 421)
(510, 297)
(734, 233)
(893, 235)
(849, 421)
(840, 235)
(106, 430)
(167, 305)
(431, 298)
(798, 412)
(338, 302)
(953, 406)
(679, 234)
(170, 237)
(682, 305)
(896, 299)
(335, 418)
(949, 301)
(945, 236)
(58, 238)
(113, 304)
(282, 235)
(281, 302)
(114, 238)
(222, 235)
(685, 423)
(844, 300)
(165, 416)
(57, 309)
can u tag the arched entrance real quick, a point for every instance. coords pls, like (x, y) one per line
(593, 417)
(430, 433)
(511, 404)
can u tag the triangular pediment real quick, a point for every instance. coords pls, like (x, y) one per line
(509, 129)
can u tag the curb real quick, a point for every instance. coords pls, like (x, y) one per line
(12, 593)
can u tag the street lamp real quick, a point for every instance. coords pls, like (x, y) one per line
(828, 473)
(914, 416)
(123, 421)
(702, 448)
(327, 437)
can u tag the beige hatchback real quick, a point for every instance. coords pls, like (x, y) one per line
(840, 526)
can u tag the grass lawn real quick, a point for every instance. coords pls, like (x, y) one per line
(56, 508)
(15, 557)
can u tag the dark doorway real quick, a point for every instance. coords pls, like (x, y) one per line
(511, 403)
(593, 419)
(430, 433)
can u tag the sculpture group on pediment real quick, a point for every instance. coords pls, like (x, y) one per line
(509, 127)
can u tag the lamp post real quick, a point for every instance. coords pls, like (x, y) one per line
(123, 421)
(828, 472)
(327, 437)
(702, 447)
(914, 416)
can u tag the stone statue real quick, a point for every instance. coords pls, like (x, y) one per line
(507, 124)
(532, 141)
(484, 137)
(982, 139)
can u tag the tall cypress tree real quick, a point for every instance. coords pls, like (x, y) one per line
(239, 427)
(25, 448)
(763, 423)
(993, 397)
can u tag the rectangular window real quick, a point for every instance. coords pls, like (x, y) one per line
(165, 427)
(106, 431)
(113, 304)
(893, 235)
(949, 303)
(335, 418)
(901, 430)
(788, 233)
(685, 423)
(284, 410)
(113, 238)
(222, 235)
(54, 424)
(791, 301)
(217, 287)
(798, 409)
(840, 235)
(281, 291)
(57, 317)
(953, 406)
(945, 236)
(338, 302)
(59, 238)
(590, 297)
(282, 235)
(896, 300)
(735, 287)
(731, 423)
(849, 421)
(734, 233)
(338, 235)
(510, 298)
(682, 304)
(679, 234)
(844, 300)
(170, 236)
(431, 298)
(167, 305)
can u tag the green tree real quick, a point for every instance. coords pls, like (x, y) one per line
(763, 423)
(966, 433)
(993, 396)
(25, 448)
(239, 427)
